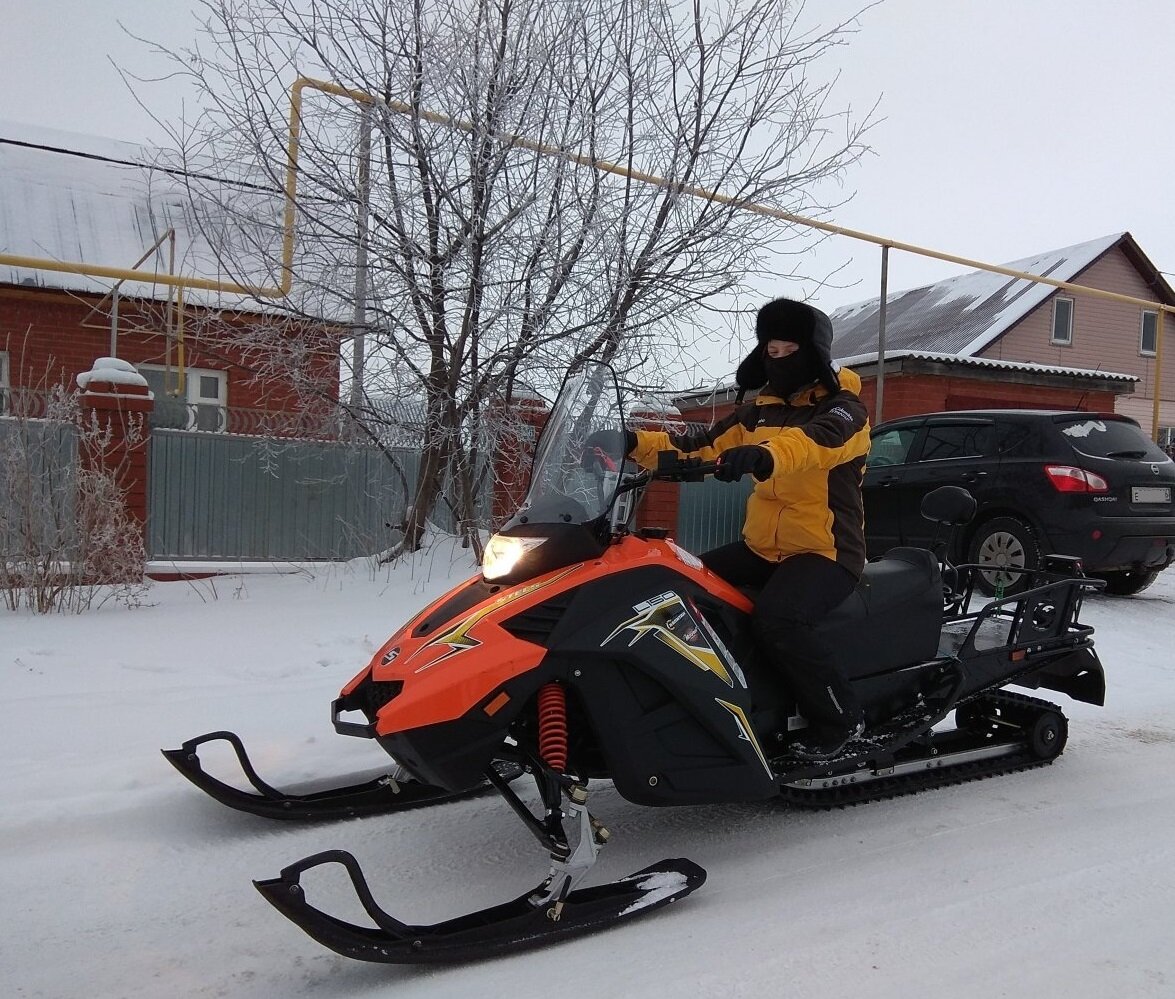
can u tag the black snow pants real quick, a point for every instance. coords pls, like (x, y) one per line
(795, 594)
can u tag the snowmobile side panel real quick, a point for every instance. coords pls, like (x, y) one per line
(667, 704)
(501, 929)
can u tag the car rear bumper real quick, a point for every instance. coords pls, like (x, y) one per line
(1123, 544)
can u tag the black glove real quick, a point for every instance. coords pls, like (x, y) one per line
(738, 461)
(614, 443)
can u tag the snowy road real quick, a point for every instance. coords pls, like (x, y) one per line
(120, 880)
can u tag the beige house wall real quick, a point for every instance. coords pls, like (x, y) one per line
(1106, 337)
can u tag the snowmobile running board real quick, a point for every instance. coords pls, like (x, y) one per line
(384, 792)
(998, 733)
(486, 933)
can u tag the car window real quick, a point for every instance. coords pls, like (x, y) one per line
(1015, 438)
(956, 440)
(890, 447)
(1110, 439)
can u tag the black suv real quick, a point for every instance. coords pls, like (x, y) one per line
(1091, 485)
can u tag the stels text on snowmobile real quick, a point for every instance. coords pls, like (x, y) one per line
(586, 650)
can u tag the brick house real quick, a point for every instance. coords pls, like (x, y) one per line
(985, 340)
(68, 199)
(992, 340)
(76, 198)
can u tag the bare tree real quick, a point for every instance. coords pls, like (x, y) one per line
(66, 538)
(484, 262)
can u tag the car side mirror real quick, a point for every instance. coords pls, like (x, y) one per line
(949, 505)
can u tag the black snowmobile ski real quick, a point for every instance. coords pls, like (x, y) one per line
(527, 921)
(370, 793)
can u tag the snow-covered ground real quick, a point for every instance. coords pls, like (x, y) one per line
(118, 879)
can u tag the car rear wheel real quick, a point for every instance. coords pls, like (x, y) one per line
(1127, 582)
(1003, 544)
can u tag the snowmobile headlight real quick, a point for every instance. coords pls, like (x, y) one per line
(503, 554)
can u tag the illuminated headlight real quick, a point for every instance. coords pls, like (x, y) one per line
(503, 554)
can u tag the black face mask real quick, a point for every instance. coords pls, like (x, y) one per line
(787, 375)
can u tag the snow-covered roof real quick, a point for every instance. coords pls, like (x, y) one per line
(724, 392)
(85, 199)
(858, 360)
(963, 315)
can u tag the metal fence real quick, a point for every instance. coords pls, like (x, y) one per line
(711, 513)
(223, 496)
(38, 476)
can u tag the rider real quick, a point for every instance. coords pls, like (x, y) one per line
(804, 439)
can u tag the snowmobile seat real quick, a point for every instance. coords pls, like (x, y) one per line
(893, 618)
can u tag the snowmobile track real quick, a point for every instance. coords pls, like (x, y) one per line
(885, 788)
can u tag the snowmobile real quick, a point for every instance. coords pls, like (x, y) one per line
(588, 650)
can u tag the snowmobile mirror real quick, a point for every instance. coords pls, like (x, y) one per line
(949, 505)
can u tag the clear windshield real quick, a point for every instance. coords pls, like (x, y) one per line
(580, 452)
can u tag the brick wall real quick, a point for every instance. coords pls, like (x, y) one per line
(47, 343)
(908, 395)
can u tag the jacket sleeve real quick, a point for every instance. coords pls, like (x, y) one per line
(707, 445)
(839, 433)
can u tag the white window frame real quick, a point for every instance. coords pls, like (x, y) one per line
(1142, 348)
(5, 384)
(192, 397)
(1065, 340)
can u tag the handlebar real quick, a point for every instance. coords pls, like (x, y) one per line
(671, 467)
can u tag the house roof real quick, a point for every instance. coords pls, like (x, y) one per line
(955, 360)
(921, 360)
(962, 315)
(83, 199)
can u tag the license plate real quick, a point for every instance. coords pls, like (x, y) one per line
(1150, 494)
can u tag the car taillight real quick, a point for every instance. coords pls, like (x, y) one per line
(1070, 479)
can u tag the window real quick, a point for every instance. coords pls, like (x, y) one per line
(957, 440)
(1148, 335)
(1109, 438)
(890, 447)
(5, 385)
(1062, 320)
(202, 406)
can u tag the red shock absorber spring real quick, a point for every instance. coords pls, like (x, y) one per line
(553, 726)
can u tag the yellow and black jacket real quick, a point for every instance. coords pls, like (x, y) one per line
(812, 500)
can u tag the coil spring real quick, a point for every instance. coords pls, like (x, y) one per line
(553, 726)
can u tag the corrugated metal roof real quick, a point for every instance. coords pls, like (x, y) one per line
(720, 393)
(67, 197)
(962, 315)
(986, 362)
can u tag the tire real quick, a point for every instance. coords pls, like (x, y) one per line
(1047, 737)
(1128, 582)
(1003, 541)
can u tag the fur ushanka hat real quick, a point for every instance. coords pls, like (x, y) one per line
(797, 322)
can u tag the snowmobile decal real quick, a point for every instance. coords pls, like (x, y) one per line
(719, 645)
(458, 638)
(746, 733)
(667, 617)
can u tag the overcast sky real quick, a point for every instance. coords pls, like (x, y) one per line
(1010, 126)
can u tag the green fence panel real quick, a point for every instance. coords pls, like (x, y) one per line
(711, 513)
(38, 482)
(224, 496)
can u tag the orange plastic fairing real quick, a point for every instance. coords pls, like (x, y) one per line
(458, 664)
